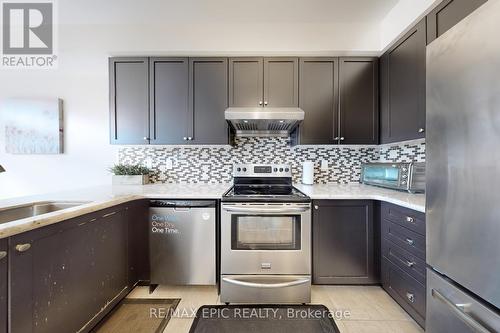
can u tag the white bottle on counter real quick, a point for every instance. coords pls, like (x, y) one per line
(308, 173)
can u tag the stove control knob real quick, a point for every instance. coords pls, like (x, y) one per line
(286, 169)
(244, 169)
(275, 169)
(238, 169)
(281, 169)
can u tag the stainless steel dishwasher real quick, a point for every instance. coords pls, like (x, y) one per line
(182, 242)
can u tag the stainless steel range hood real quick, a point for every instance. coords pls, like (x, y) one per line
(268, 121)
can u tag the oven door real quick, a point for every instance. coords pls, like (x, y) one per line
(266, 238)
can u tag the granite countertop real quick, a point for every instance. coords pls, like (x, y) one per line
(360, 191)
(102, 197)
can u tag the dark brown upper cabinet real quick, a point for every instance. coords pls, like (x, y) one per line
(358, 100)
(208, 99)
(447, 14)
(169, 100)
(255, 82)
(340, 101)
(129, 100)
(402, 87)
(281, 82)
(318, 91)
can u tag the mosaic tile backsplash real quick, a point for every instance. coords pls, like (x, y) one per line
(213, 164)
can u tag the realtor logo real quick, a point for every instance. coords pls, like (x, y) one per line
(28, 34)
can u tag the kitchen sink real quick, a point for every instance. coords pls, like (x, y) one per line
(35, 209)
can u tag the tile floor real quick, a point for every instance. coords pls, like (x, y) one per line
(358, 309)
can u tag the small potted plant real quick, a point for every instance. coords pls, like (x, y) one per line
(130, 174)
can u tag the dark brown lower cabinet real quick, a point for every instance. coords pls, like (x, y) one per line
(3, 285)
(138, 241)
(68, 275)
(344, 242)
(403, 258)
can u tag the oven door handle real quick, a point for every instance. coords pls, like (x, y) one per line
(266, 210)
(266, 285)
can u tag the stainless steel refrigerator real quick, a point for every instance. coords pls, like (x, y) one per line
(463, 176)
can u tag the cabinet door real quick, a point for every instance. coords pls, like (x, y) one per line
(447, 14)
(281, 82)
(138, 241)
(67, 274)
(246, 82)
(404, 110)
(208, 100)
(358, 101)
(169, 95)
(3, 285)
(129, 100)
(319, 100)
(343, 242)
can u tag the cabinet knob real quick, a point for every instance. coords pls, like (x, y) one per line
(336, 138)
(265, 103)
(190, 138)
(23, 247)
(316, 207)
(3, 254)
(410, 297)
(260, 102)
(410, 241)
(342, 138)
(410, 263)
(421, 130)
(146, 138)
(410, 219)
(184, 138)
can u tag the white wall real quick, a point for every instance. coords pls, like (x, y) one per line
(401, 17)
(93, 30)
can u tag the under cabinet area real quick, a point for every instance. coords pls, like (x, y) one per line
(403, 267)
(345, 242)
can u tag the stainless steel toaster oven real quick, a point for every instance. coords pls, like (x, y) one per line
(399, 176)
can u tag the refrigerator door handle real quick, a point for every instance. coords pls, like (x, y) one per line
(459, 312)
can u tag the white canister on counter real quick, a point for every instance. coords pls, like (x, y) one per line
(308, 173)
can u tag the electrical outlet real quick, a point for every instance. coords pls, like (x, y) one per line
(148, 162)
(324, 165)
(169, 165)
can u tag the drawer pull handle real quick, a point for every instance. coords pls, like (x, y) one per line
(410, 219)
(23, 247)
(410, 241)
(410, 263)
(108, 215)
(410, 297)
(3, 254)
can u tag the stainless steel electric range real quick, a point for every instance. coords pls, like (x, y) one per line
(265, 238)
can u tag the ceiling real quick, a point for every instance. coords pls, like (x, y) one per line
(223, 11)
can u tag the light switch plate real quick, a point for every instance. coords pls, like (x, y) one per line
(324, 165)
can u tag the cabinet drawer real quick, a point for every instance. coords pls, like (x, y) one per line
(405, 238)
(405, 290)
(406, 261)
(405, 217)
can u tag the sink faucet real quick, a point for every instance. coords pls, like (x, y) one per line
(1, 168)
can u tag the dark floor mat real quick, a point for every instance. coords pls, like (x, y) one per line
(145, 315)
(264, 319)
